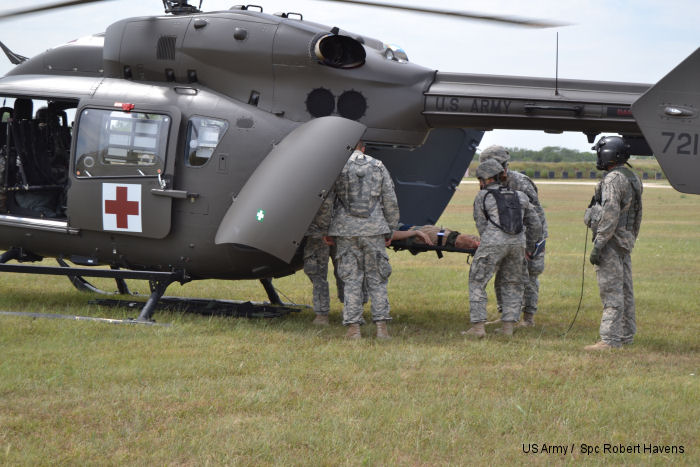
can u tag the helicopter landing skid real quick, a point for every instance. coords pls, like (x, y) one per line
(159, 281)
(80, 283)
(207, 307)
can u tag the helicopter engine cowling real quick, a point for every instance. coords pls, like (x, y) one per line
(294, 69)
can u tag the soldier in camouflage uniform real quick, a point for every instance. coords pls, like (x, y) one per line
(535, 265)
(615, 216)
(316, 254)
(509, 227)
(365, 213)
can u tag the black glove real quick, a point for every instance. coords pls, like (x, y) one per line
(595, 256)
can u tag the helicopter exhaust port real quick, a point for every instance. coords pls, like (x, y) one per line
(339, 51)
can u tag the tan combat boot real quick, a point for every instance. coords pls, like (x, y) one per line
(528, 320)
(320, 320)
(600, 345)
(382, 332)
(477, 331)
(353, 332)
(506, 329)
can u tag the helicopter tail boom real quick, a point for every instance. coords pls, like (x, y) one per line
(503, 102)
(669, 116)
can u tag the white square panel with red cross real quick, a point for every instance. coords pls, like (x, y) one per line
(121, 207)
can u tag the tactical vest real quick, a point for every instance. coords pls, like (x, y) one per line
(510, 213)
(362, 179)
(630, 217)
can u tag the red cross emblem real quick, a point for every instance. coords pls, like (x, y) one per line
(121, 207)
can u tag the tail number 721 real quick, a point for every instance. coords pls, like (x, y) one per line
(684, 144)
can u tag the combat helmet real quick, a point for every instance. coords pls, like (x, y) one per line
(611, 150)
(489, 168)
(497, 153)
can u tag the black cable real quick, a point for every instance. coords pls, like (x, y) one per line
(583, 276)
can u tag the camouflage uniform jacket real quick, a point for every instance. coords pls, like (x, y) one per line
(319, 225)
(365, 201)
(621, 214)
(521, 182)
(492, 235)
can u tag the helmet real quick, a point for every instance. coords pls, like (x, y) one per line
(497, 153)
(611, 150)
(489, 168)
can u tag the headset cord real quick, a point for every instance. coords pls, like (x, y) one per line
(583, 276)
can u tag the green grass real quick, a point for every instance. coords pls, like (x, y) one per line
(261, 392)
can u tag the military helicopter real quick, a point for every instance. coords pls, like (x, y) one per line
(197, 145)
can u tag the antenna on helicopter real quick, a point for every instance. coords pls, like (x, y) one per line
(180, 7)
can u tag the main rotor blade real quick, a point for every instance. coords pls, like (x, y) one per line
(48, 6)
(460, 14)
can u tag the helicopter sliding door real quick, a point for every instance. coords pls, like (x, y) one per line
(121, 168)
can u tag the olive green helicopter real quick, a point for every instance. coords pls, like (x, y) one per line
(200, 145)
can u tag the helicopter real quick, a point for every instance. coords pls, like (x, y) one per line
(199, 145)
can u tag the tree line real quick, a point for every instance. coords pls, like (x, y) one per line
(551, 154)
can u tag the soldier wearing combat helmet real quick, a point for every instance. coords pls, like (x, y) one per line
(535, 265)
(615, 216)
(365, 213)
(509, 227)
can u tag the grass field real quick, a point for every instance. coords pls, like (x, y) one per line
(213, 391)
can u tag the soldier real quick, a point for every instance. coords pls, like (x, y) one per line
(365, 213)
(316, 254)
(614, 216)
(509, 227)
(535, 265)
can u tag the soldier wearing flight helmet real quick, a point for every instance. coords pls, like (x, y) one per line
(508, 226)
(615, 215)
(535, 265)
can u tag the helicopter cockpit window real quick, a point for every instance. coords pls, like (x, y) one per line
(203, 135)
(113, 143)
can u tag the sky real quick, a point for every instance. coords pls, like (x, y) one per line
(636, 41)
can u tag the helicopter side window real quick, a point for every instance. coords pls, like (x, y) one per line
(203, 135)
(120, 144)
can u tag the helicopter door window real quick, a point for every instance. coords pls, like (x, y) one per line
(203, 135)
(121, 144)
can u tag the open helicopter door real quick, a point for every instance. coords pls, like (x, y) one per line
(278, 202)
(669, 117)
(122, 168)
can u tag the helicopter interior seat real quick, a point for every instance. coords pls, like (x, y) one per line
(36, 194)
(5, 115)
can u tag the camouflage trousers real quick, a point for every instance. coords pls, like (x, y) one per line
(531, 284)
(363, 260)
(316, 268)
(618, 324)
(508, 260)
